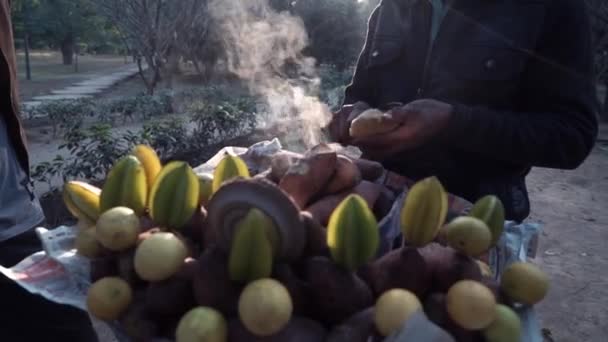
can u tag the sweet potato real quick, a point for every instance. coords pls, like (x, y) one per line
(188, 269)
(494, 286)
(299, 329)
(212, 285)
(102, 267)
(370, 170)
(345, 177)
(322, 209)
(266, 174)
(307, 177)
(194, 229)
(335, 293)
(280, 163)
(137, 324)
(126, 270)
(448, 266)
(384, 204)
(298, 289)
(371, 122)
(146, 223)
(357, 328)
(402, 268)
(316, 236)
(180, 292)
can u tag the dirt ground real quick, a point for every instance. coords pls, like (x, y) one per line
(573, 207)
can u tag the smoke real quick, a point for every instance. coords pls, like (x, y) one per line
(264, 49)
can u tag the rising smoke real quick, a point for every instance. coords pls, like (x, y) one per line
(264, 49)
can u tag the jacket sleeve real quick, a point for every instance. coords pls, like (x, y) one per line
(559, 125)
(360, 88)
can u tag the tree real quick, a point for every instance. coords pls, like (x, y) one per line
(154, 29)
(336, 28)
(198, 38)
(598, 10)
(65, 22)
(22, 28)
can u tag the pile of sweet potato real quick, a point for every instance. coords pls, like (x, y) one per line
(332, 300)
(321, 178)
(318, 181)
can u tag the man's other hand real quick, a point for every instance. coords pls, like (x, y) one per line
(339, 125)
(419, 121)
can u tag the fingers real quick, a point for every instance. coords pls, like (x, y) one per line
(401, 114)
(378, 154)
(384, 140)
(340, 124)
(357, 109)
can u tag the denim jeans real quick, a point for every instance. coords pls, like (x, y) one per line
(25, 317)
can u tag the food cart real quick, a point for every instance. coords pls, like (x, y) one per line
(60, 274)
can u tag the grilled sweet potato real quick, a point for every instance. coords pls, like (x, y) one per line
(335, 293)
(448, 266)
(316, 236)
(281, 162)
(403, 268)
(370, 170)
(345, 177)
(307, 177)
(212, 284)
(322, 209)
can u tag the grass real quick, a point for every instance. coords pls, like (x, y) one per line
(49, 73)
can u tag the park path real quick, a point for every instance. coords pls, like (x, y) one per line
(94, 84)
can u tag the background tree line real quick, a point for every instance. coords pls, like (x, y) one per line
(165, 33)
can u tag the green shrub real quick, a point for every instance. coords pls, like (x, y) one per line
(141, 106)
(215, 122)
(64, 114)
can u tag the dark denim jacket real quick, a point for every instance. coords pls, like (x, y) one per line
(519, 74)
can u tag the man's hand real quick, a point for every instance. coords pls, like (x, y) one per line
(419, 121)
(340, 123)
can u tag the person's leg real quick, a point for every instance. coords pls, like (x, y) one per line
(25, 317)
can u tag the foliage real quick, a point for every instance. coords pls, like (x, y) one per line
(45, 172)
(90, 151)
(168, 137)
(155, 29)
(141, 105)
(64, 114)
(93, 151)
(339, 47)
(215, 122)
(61, 23)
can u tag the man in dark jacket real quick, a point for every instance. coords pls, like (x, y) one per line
(485, 90)
(24, 316)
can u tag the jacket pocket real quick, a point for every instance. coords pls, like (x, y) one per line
(488, 63)
(384, 51)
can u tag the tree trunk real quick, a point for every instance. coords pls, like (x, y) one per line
(67, 50)
(142, 74)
